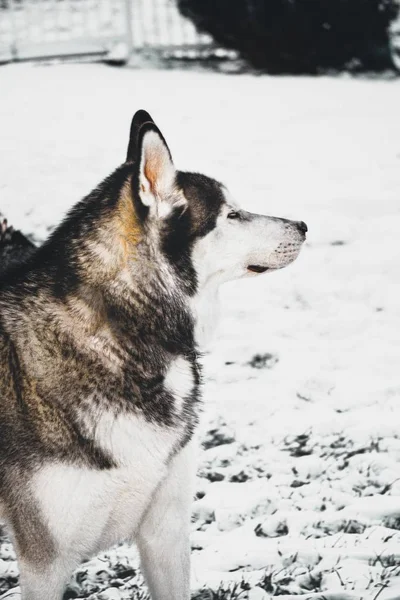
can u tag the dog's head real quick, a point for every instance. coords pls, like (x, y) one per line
(200, 228)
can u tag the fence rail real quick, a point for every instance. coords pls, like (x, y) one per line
(43, 28)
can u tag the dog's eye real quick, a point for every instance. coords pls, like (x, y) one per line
(233, 215)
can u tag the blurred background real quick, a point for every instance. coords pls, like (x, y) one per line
(274, 36)
(295, 106)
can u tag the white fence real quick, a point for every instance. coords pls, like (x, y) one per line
(52, 28)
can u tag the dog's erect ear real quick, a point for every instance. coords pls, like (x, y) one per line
(139, 119)
(156, 174)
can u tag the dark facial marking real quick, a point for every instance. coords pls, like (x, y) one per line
(205, 199)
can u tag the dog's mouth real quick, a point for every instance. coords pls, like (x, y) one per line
(257, 268)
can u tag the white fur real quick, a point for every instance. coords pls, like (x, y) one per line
(87, 509)
(205, 310)
(179, 380)
(46, 582)
(163, 536)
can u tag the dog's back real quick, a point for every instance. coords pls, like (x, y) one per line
(15, 248)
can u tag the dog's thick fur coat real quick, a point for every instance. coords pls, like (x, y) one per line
(100, 376)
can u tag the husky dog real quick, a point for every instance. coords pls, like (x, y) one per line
(100, 376)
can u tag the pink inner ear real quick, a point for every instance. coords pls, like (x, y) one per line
(157, 168)
(153, 169)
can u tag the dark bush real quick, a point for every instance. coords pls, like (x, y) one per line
(299, 35)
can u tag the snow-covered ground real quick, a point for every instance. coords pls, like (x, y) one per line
(298, 488)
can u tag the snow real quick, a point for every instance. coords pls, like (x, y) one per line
(298, 488)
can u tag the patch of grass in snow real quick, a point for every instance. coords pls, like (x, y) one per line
(280, 530)
(218, 435)
(233, 591)
(386, 577)
(298, 445)
(295, 581)
(242, 466)
(8, 574)
(263, 361)
(291, 581)
(7, 582)
(343, 447)
(103, 572)
(240, 477)
(388, 561)
(392, 522)
(323, 528)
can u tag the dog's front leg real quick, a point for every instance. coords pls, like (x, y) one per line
(163, 536)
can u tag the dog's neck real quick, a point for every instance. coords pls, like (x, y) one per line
(205, 310)
(161, 313)
(147, 287)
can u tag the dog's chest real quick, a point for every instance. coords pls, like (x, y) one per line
(130, 433)
(107, 505)
(135, 442)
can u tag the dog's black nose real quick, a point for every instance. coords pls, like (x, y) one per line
(302, 226)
